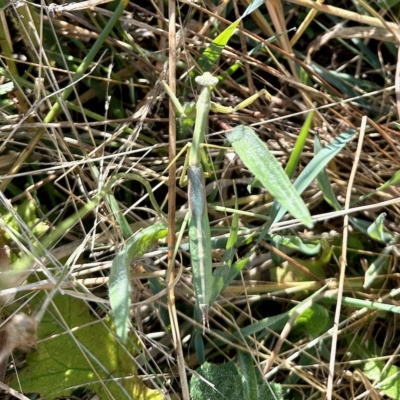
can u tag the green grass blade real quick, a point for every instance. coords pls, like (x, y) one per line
(363, 226)
(223, 275)
(299, 145)
(379, 266)
(315, 166)
(212, 53)
(277, 322)
(88, 60)
(260, 161)
(119, 216)
(26, 261)
(233, 234)
(323, 180)
(392, 181)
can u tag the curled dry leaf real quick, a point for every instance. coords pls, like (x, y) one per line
(18, 333)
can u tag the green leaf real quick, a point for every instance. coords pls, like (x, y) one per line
(119, 284)
(295, 156)
(78, 350)
(323, 180)
(387, 4)
(248, 373)
(392, 181)
(380, 266)
(388, 381)
(277, 322)
(120, 217)
(216, 382)
(376, 230)
(261, 162)
(212, 53)
(224, 275)
(253, 7)
(233, 234)
(295, 243)
(314, 167)
(224, 381)
(290, 273)
(27, 212)
(314, 321)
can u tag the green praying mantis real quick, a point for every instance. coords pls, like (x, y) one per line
(253, 153)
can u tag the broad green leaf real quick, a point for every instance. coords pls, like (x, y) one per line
(6, 88)
(296, 153)
(218, 382)
(293, 243)
(314, 321)
(224, 381)
(119, 284)
(248, 374)
(388, 381)
(80, 353)
(261, 162)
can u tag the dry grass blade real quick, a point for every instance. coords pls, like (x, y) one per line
(81, 101)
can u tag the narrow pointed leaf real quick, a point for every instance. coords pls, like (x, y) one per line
(119, 284)
(315, 166)
(260, 161)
